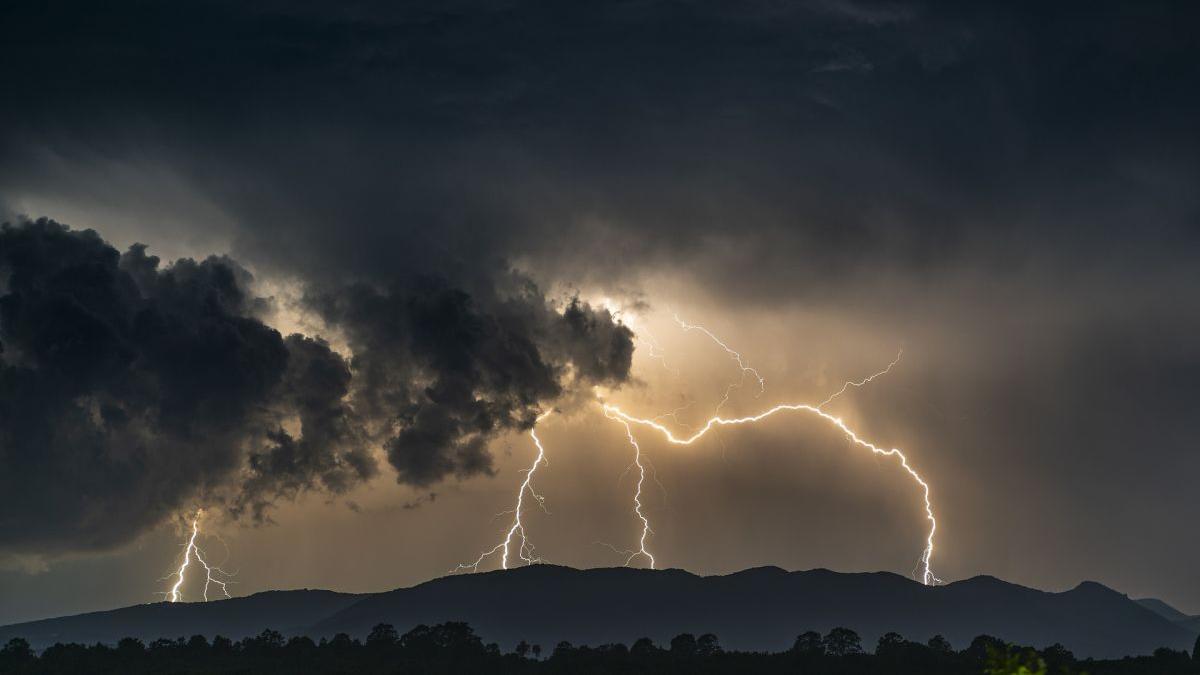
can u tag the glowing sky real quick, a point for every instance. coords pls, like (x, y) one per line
(1009, 197)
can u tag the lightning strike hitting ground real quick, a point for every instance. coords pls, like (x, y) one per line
(927, 576)
(862, 382)
(193, 549)
(525, 551)
(637, 496)
(657, 352)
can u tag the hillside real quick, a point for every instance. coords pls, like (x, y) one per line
(756, 609)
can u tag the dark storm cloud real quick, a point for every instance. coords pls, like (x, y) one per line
(451, 138)
(131, 390)
(451, 370)
(1002, 183)
(315, 386)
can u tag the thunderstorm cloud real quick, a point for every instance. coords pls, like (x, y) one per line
(1005, 190)
(130, 389)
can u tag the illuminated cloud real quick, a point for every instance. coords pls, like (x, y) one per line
(132, 391)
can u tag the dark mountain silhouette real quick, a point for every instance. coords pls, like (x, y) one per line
(757, 609)
(1164, 610)
(1188, 623)
(291, 612)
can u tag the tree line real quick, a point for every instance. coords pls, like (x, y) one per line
(454, 647)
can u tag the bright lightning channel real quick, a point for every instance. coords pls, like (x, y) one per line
(927, 575)
(525, 551)
(864, 381)
(746, 369)
(637, 496)
(212, 573)
(657, 352)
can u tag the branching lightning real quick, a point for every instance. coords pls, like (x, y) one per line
(212, 573)
(525, 551)
(637, 495)
(657, 352)
(746, 369)
(866, 380)
(927, 576)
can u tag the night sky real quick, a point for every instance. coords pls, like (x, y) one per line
(316, 268)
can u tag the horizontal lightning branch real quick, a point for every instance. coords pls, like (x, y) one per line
(927, 576)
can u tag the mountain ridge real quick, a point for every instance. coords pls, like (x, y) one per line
(757, 609)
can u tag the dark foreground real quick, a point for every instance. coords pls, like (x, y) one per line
(454, 648)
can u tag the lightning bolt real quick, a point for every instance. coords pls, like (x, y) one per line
(637, 496)
(657, 352)
(927, 576)
(863, 381)
(746, 369)
(525, 551)
(212, 573)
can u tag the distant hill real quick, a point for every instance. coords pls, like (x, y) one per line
(1188, 623)
(290, 612)
(1163, 609)
(757, 609)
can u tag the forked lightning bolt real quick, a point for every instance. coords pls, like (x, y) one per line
(637, 496)
(746, 370)
(525, 551)
(927, 576)
(212, 573)
(656, 352)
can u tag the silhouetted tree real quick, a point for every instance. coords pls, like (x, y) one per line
(221, 645)
(161, 645)
(809, 643)
(708, 645)
(457, 636)
(301, 647)
(890, 644)
(562, 650)
(537, 651)
(341, 644)
(940, 645)
(301, 642)
(842, 642)
(683, 645)
(449, 648)
(16, 654)
(1169, 659)
(268, 639)
(1004, 660)
(983, 646)
(65, 658)
(643, 647)
(1196, 651)
(133, 647)
(1058, 658)
(383, 635)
